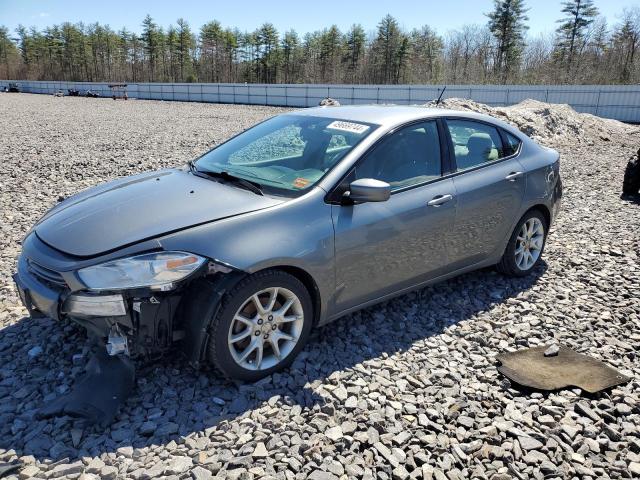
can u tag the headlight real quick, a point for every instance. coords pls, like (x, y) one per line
(156, 270)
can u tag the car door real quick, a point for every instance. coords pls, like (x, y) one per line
(490, 185)
(382, 247)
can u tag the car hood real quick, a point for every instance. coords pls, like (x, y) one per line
(141, 207)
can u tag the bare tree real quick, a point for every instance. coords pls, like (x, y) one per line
(626, 43)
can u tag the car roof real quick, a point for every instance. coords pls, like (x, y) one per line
(391, 115)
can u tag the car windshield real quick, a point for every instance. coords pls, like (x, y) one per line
(288, 153)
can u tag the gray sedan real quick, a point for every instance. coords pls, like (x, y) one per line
(289, 225)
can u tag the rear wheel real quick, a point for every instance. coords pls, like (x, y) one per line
(261, 326)
(525, 246)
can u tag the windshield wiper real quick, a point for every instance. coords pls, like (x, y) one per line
(224, 175)
(192, 166)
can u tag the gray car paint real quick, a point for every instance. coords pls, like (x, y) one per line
(486, 209)
(298, 234)
(128, 211)
(381, 247)
(320, 238)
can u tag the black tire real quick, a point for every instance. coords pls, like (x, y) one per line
(631, 181)
(218, 349)
(507, 264)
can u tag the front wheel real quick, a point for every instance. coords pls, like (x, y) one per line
(261, 326)
(525, 246)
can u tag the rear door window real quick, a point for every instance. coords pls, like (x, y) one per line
(475, 143)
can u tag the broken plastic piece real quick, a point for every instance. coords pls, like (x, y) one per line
(7, 468)
(532, 368)
(96, 305)
(97, 396)
(116, 342)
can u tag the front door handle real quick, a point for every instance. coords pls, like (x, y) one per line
(439, 200)
(513, 176)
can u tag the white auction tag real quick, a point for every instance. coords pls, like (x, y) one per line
(348, 126)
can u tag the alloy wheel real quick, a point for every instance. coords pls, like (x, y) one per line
(529, 243)
(266, 328)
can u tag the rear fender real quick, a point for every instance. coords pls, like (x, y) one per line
(543, 187)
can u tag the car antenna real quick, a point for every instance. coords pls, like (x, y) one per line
(440, 96)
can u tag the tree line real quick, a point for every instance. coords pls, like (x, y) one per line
(584, 49)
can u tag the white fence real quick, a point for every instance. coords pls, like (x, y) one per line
(621, 102)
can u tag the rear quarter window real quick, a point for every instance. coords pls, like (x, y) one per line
(513, 143)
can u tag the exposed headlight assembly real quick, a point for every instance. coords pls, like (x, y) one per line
(154, 270)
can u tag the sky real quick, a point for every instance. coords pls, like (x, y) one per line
(303, 16)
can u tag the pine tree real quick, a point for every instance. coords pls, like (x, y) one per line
(186, 44)
(427, 48)
(125, 56)
(354, 50)
(400, 61)
(386, 48)
(330, 54)
(172, 46)
(267, 42)
(471, 54)
(571, 33)
(211, 51)
(291, 56)
(8, 55)
(25, 45)
(230, 48)
(151, 41)
(594, 55)
(507, 24)
(311, 53)
(51, 42)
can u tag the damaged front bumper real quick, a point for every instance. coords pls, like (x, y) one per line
(144, 318)
(108, 379)
(141, 322)
(125, 326)
(39, 298)
(46, 294)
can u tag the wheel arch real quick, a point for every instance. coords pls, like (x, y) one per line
(544, 210)
(203, 296)
(212, 339)
(539, 207)
(309, 283)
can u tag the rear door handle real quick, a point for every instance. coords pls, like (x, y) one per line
(513, 176)
(439, 200)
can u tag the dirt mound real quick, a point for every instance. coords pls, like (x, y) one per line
(549, 123)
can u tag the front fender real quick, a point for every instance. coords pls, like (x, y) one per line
(297, 233)
(198, 308)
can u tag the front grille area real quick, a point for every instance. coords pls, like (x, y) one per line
(46, 275)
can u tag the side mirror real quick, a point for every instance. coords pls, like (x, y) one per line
(368, 190)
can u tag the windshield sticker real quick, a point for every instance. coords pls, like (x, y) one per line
(348, 126)
(300, 182)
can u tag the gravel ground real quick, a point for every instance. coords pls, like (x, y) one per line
(406, 389)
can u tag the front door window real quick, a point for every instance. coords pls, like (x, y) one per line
(408, 157)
